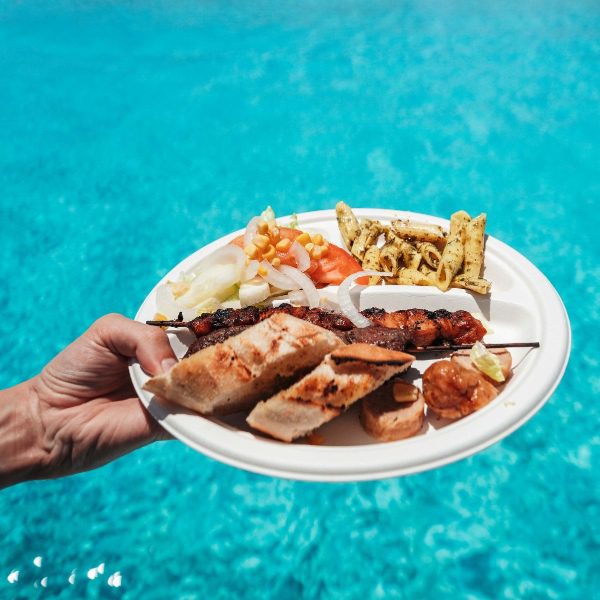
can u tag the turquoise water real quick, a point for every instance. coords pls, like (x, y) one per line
(131, 134)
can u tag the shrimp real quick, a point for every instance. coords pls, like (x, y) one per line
(451, 391)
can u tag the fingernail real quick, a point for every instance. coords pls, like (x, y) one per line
(167, 363)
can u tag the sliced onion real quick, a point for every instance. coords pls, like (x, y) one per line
(277, 278)
(226, 254)
(168, 306)
(216, 281)
(251, 230)
(305, 283)
(294, 297)
(345, 302)
(301, 255)
(250, 270)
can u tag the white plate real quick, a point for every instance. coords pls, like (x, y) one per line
(523, 306)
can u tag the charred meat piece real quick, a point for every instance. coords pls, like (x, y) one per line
(426, 326)
(384, 337)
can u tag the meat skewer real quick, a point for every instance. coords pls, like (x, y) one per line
(417, 329)
(425, 326)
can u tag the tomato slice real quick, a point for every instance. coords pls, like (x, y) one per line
(331, 269)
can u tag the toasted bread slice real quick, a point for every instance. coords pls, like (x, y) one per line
(394, 411)
(235, 374)
(343, 377)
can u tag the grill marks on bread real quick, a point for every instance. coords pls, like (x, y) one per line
(343, 377)
(233, 375)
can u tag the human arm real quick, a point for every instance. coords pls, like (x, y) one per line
(81, 411)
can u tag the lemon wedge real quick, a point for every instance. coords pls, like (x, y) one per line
(486, 362)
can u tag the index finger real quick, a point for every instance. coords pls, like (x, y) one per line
(150, 345)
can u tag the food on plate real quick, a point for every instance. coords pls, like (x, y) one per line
(248, 350)
(419, 253)
(261, 353)
(493, 363)
(454, 250)
(233, 375)
(394, 411)
(451, 391)
(344, 376)
(324, 262)
(474, 246)
(467, 382)
(266, 262)
(396, 330)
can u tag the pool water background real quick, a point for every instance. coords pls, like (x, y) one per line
(132, 134)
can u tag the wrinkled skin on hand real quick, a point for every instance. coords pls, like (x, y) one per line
(83, 403)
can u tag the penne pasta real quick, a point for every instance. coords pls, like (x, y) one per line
(428, 271)
(389, 257)
(347, 223)
(453, 254)
(422, 232)
(410, 255)
(419, 253)
(474, 284)
(431, 255)
(371, 262)
(369, 232)
(412, 277)
(474, 241)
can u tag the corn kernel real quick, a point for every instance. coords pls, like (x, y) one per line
(276, 261)
(269, 254)
(318, 239)
(309, 247)
(317, 252)
(262, 227)
(303, 238)
(274, 233)
(261, 241)
(261, 271)
(251, 251)
(283, 245)
(324, 249)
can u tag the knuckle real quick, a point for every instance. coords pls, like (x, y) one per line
(155, 334)
(108, 321)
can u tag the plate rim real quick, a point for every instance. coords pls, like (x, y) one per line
(271, 464)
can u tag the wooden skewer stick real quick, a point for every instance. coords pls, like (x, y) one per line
(422, 350)
(449, 347)
(179, 322)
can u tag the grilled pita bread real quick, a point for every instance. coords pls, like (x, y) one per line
(344, 376)
(234, 375)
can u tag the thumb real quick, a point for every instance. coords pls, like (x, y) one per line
(131, 339)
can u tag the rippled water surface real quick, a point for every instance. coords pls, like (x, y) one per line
(132, 134)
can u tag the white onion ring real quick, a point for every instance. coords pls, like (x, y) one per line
(226, 254)
(295, 297)
(345, 301)
(250, 270)
(251, 230)
(305, 283)
(277, 278)
(168, 306)
(301, 255)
